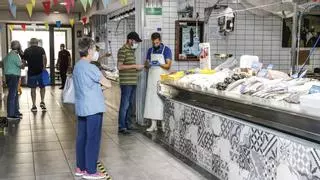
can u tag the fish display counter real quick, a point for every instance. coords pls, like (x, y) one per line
(243, 135)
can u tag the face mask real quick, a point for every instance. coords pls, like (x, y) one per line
(156, 47)
(134, 46)
(95, 56)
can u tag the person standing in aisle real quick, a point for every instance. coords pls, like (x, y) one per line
(89, 107)
(12, 70)
(128, 75)
(64, 62)
(159, 59)
(36, 60)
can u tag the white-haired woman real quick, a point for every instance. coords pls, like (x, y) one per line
(89, 106)
(12, 69)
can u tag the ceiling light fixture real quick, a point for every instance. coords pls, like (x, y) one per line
(63, 3)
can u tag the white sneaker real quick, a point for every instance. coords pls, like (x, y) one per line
(152, 128)
(79, 173)
(97, 175)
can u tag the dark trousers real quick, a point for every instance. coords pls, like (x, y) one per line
(13, 97)
(127, 96)
(88, 142)
(63, 76)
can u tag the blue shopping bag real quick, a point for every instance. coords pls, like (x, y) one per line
(45, 78)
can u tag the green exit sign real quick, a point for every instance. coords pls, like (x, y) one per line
(153, 11)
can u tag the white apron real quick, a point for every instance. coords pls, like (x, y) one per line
(153, 108)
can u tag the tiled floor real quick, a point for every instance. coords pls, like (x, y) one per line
(42, 146)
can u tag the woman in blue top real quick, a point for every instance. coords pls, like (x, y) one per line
(89, 107)
(12, 69)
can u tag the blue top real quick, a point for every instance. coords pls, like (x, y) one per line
(166, 53)
(89, 99)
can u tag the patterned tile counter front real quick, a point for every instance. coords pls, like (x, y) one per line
(233, 149)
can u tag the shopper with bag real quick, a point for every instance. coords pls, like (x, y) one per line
(89, 107)
(36, 59)
(63, 64)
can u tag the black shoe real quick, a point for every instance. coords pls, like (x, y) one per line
(124, 132)
(34, 109)
(43, 106)
(19, 114)
(133, 128)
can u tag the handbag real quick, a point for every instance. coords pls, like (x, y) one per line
(68, 91)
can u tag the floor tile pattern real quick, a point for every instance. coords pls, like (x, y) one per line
(42, 146)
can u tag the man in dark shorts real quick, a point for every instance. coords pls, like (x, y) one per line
(64, 62)
(36, 59)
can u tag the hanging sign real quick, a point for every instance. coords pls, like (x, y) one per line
(124, 2)
(90, 2)
(10, 2)
(105, 3)
(24, 27)
(58, 24)
(33, 3)
(84, 20)
(84, 4)
(71, 21)
(29, 9)
(47, 6)
(11, 27)
(55, 2)
(72, 3)
(46, 25)
(68, 6)
(13, 10)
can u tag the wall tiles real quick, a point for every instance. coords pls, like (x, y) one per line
(118, 36)
(253, 35)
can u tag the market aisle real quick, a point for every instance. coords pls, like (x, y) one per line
(42, 146)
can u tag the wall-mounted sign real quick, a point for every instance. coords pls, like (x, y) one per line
(153, 11)
(205, 56)
(189, 34)
(153, 21)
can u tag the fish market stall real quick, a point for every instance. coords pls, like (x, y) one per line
(239, 126)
